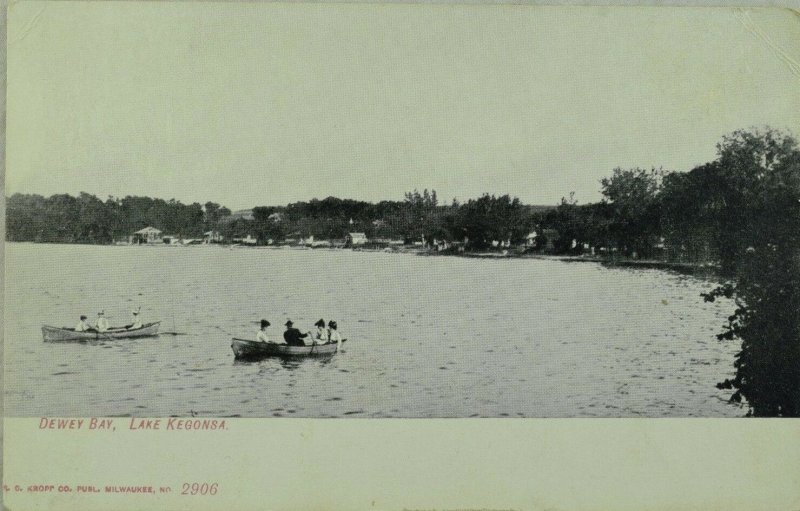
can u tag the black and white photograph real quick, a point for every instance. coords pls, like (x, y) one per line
(398, 211)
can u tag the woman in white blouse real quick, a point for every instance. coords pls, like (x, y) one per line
(261, 336)
(333, 334)
(321, 335)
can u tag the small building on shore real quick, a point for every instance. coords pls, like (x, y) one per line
(212, 237)
(146, 235)
(247, 240)
(355, 239)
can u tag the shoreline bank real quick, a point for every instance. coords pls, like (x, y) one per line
(682, 267)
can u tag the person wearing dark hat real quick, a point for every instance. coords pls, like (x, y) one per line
(321, 336)
(101, 323)
(333, 334)
(292, 336)
(84, 325)
(262, 332)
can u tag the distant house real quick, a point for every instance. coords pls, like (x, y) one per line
(354, 239)
(147, 235)
(530, 239)
(442, 245)
(275, 217)
(311, 242)
(212, 237)
(247, 240)
(244, 214)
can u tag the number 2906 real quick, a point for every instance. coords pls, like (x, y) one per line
(199, 488)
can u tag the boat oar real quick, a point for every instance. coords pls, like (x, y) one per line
(106, 336)
(223, 330)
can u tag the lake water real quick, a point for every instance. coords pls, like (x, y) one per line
(428, 336)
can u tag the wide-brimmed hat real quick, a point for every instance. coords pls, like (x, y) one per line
(289, 323)
(264, 323)
(135, 313)
(332, 324)
(101, 313)
(83, 317)
(321, 322)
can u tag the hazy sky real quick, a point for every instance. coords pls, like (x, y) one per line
(264, 104)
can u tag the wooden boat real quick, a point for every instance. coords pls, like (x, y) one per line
(52, 333)
(243, 348)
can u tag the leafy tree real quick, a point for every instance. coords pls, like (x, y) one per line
(86, 219)
(25, 217)
(213, 214)
(633, 194)
(588, 223)
(94, 224)
(264, 227)
(423, 218)
(690, 205)
(758, 217)
(491, 218)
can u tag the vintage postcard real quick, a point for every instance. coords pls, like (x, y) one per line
(249, 246)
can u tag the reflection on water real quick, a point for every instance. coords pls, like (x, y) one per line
(429, 337)
(269, 363)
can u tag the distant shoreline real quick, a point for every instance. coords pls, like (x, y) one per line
(681, 267)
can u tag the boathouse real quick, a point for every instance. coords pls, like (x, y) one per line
(354, 239)
(147, 235)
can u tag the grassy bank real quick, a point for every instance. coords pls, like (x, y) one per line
(682, 267)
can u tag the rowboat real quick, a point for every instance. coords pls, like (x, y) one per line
(243, 348)
(52, 333)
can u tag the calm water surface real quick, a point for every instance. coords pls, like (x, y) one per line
(428, 336)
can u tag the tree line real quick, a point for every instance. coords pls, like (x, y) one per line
(740, 211)
(418, 218)
(63, 218)
(704, 215)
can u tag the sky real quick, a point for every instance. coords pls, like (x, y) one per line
(253, 104)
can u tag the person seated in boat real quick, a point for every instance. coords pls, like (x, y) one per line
(293, 336)
(101, 323)
(84, 325)
(137, 321)
(321, 335)
(261, 336)
(333, 333)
